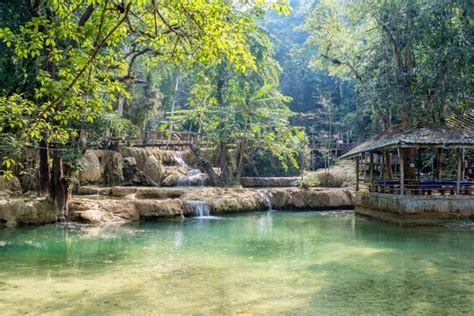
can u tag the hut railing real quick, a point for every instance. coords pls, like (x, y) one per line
(424, 187)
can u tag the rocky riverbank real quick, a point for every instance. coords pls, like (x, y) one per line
(120, 204)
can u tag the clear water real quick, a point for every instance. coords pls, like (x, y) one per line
(265, 263)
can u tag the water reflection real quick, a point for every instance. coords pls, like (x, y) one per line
(264, 223)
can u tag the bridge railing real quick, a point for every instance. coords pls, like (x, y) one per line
(175, 140)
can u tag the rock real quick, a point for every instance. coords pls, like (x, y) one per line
(129, 161)
(311, 198)
(120, 191)
(172, 176)
(103, 211)
(133, 176)
(160, 208)
(35, 211)
(142, 154)
(228, 200)
(268, 182)
(91, 190)
(153, 168)
(92, 173)
(159, 193)
(168, 157)
(341, 175)
(112, 163)
(12, 184)
(139, 202)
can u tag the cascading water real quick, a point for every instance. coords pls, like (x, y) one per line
(266, 196)
(194, 177)
(178, 157)
(201, 209)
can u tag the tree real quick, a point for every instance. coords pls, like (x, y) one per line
(397, 51)
(84, 53)
(401, 54)
(238, 113)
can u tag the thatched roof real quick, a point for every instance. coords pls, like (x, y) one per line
(455, 133)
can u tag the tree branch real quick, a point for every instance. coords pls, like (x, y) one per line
(86, 15)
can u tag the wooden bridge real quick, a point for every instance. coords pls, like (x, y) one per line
(177, 141)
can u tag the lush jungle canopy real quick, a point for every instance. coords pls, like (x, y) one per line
(249, 77)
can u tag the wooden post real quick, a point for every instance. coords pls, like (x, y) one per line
(382, 171)
(357, 173)
(371, 171)
(402, 172)
(439, 163)
(382, 166)
(458, 175)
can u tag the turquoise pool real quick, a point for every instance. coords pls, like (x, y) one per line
(261, 263)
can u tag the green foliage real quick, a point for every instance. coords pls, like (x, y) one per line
(245, 111)
(108, 126)
(78, 56)
(410, 59)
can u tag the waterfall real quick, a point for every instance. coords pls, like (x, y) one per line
(178, 157)
(194, 177)
(266, 196)
(201, 209)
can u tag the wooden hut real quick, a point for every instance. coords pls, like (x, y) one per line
(404, 191)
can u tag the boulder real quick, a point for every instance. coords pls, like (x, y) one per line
(167, 208)
(133, 176)
(153, 168)
(12, 184)
(92, 173)
(172, 176)
(112, 163)
(102, 211)
(129, 161)
(36, 211)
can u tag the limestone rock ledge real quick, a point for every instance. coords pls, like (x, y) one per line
(128, 204)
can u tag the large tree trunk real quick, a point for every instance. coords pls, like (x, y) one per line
(240, 161)
(43, 168)
(58, 185)
(226, 175)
